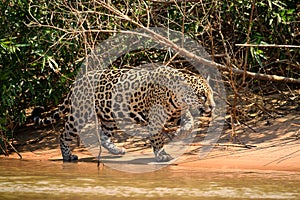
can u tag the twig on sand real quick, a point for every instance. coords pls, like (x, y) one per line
(248, 146)
(15, 150)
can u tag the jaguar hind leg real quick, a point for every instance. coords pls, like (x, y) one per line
(65, 140)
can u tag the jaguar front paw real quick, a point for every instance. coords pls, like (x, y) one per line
(116, 150)
(111, 147)
(162, 156)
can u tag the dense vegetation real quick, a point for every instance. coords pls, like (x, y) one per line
(42, 43)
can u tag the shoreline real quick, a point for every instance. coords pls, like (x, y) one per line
(262, 159)
(274, 147)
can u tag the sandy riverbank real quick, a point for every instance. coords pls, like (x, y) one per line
(277, 147)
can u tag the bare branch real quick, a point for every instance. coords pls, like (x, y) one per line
(188, 54)
(174, 1)
(169, 43)
(267, 45)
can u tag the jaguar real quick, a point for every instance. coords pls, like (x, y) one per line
(143, 97)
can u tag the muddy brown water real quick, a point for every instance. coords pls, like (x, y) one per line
(21, 179)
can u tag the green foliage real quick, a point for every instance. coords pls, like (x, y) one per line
(34, 69)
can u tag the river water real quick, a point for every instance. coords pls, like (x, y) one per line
(23, 180)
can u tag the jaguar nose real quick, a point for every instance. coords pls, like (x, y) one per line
(209, 109)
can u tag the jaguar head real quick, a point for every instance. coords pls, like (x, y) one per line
(204, 93)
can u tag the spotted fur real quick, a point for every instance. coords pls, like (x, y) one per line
(150, 98)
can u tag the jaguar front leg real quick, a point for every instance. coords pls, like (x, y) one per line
(110, 146)
(105, 135)
(158, 150)
(157, 118)
(186, 125)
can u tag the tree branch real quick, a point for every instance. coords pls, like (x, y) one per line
(267, 45)
(169, 43)
(204, 61)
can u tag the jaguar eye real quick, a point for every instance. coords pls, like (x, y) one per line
(203, 98)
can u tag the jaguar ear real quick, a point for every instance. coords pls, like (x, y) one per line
(208, 78)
